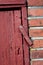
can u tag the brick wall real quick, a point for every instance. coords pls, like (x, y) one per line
(35, 22)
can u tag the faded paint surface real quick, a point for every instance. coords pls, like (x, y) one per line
(14, 49)
(10, 38)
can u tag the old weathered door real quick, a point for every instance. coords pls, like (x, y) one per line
(10, 38)
(13, 47)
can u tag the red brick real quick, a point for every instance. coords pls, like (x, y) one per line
(37, 44)
(35, 2)
(35, 32)
(37, 63)
(35, 11)
(36, 22)
(35, 54)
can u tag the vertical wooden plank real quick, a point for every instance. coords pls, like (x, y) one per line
(4, 56)
(3, 39)
(18, 38)
(7, 45)
(26, 48)
(11, 38)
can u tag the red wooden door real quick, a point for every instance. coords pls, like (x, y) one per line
(10, 38)
(14, 49)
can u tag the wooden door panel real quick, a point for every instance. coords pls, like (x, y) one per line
(18, 38)
(4, 38)
(11, 52)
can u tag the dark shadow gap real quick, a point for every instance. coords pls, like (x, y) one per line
(10, 9)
